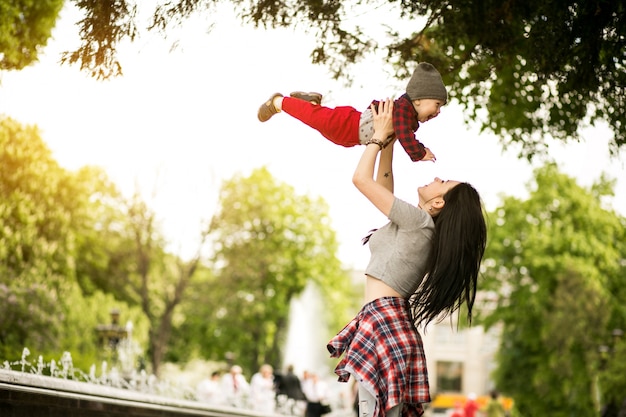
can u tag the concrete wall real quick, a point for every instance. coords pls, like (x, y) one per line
(29, 395)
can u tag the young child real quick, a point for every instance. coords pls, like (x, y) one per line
(346, 126)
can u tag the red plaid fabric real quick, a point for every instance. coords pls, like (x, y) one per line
(405, 124)
(384, 351)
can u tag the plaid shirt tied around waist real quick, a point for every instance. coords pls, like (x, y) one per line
(384, 351)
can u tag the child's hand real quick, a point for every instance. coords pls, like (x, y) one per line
(383, 118)
(429, 156)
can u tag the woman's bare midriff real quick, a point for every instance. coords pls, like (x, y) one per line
(375, 288)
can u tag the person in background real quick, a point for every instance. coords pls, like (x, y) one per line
(458, 410)
(424, 265)
(316, 393)
(235, 387)
(494, 407)
(471, 406)
(262, 390)
(290, 387)
(209, 390)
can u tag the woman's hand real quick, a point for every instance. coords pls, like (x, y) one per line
(383, 119)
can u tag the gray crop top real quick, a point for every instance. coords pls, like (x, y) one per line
(400, 248)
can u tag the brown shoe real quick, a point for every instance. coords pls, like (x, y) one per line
(311, 97)
(267, 109)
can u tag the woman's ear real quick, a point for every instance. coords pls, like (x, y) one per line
(438, 203)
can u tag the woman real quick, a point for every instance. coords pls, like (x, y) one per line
(424, 264)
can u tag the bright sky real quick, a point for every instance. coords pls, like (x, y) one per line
(183, 118)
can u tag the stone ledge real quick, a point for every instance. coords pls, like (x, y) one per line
(30, 395)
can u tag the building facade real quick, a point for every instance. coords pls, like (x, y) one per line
(460, 362)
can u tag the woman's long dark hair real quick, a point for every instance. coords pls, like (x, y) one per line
(458, 247)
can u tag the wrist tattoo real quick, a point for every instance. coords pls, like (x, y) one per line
(387, 174)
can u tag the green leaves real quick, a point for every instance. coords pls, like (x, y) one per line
(269, 243)
(555, 262)
(42, 215)
(25, 27)
(525, 70)
(61, 245)
(528, 70)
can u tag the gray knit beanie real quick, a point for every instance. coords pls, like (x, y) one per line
(426, 82)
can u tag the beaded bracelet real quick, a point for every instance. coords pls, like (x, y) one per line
(376, 141)
(388, 140)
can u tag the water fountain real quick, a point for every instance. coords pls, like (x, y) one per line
(305, 348)
(33, 388)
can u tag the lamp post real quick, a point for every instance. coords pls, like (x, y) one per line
(110, 335)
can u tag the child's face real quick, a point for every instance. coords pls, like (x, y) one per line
(427, 108)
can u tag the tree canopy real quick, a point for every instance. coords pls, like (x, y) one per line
(554, 267)
(36, 254)
(526, 70)
(25, 27)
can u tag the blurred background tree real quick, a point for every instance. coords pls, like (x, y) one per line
(72, 248)
(268, 243)
(525, 70)
(45, 214)
(142, 272)
(25, 27)
(554, 269)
